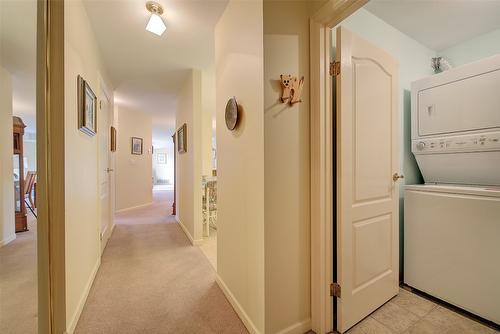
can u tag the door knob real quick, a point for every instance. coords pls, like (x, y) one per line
(109, 170)
(396, 177)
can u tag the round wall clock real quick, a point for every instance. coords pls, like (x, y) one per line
(231, 113)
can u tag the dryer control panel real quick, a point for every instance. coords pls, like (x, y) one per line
(456, 144)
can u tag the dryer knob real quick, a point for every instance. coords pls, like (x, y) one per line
(420, 146)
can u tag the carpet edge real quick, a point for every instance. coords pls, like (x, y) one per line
(250, 326)
(81, 303)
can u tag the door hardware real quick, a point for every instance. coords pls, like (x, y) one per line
(396, 177)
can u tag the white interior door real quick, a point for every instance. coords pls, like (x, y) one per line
(367, 136)
(104, 118)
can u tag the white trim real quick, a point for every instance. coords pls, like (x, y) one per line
(81, 303)
(7, 240)
(297, 328)
(250, 326)
(133, 207)
(194, 242)
(106, 236)
(328, 16)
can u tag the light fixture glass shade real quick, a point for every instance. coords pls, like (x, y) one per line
(156, 25)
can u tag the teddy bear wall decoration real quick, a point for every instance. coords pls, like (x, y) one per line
(291, 89)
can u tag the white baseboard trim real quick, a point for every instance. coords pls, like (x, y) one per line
(236, 306)
(299, 328)
(7, 240)
(188, 235)
(133, 207)
(106, 236)
(70, 328)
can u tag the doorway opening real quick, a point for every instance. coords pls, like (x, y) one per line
(209, 197)
(18, 178)
(388, 28)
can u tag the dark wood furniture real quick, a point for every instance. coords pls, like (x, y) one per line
(19, 189)
(175, 177)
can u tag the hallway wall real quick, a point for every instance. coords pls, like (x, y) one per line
(189, 164)
(240, 160)
(7, 214)
(134, 183)
(164, 172)
(82, 217)
(208, 112)
(287, 169)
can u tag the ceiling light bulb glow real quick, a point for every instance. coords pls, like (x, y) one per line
(156, 25)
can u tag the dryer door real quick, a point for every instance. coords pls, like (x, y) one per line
(472, 103)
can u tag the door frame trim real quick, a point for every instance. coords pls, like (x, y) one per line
(50, 167)
(321, 23)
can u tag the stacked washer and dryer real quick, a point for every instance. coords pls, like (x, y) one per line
(452, 222)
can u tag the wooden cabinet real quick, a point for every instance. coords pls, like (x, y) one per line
(18, 159)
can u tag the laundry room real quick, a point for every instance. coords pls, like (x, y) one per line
(440, 144)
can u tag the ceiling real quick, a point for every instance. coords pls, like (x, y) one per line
(439, 24)
(147, 70)
(18, 56)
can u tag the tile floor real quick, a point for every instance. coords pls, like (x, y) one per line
(408, 313)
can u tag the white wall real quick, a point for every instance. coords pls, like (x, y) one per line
(81, 163)
(189, 164)
(7, 213)
(162, 172)
(133, 173)
(29, 155)
(287, 172)
(475, 49)
(240, 160)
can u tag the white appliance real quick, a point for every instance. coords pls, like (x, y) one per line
(452, 223)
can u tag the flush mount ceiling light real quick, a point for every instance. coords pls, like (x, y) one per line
(155, 24)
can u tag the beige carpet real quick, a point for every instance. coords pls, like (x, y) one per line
(152, 280)
(18, 283)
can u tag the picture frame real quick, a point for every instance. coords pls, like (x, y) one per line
(136, 146)
(112, 136)
(161, 158)
(182, 139)
(87, 108)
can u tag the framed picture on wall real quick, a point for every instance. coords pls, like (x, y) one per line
(161, 158)
(87, 108)
(136, 145)
(182, 139)
(113, 138)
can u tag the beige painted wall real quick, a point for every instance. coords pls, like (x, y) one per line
(208, 112)
(189, 164)
(81, 163)
(7, 215)
(133, 173)
(240, 160)
(287, 188)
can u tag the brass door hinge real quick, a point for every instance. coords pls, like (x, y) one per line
(334, 68)
(335, 290)
(100, 104)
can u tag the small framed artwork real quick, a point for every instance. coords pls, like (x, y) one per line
(112, 136)
(136, 145)
(87, 108)
(182, 139)
(161, 158)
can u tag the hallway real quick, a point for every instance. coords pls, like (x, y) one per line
(151, 280)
